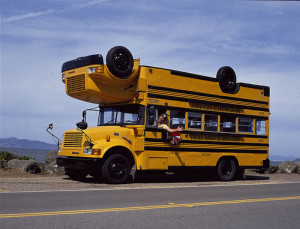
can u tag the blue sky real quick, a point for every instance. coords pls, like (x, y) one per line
(259, 39)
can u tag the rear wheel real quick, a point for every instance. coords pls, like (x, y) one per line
(226, 169)
(116, 169)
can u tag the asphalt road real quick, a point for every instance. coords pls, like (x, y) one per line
(260, 205)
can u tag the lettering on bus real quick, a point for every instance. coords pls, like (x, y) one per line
(201, 137)
(210, 107)
(153, 100)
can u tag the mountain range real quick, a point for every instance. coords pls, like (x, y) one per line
(16, 145)
(25, 144)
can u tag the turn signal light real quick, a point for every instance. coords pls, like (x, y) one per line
(96, 151)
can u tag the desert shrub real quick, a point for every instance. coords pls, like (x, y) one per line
(25, 158)
(7, 156)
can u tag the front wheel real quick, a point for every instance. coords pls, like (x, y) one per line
(116, 169)
(226, 170)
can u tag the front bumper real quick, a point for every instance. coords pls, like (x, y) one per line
(78, 162)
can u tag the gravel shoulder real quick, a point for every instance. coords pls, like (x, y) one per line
(19, 181)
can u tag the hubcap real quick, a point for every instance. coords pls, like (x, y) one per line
(117, 169)
(121, 61)
(226, 168)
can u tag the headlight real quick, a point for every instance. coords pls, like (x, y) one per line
(99, 69)
(59, 150)
(63, 77)
(92, 70)
(88, 151)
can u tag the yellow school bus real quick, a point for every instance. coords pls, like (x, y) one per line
(226, 123)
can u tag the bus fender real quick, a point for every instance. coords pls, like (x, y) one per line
(123, 150)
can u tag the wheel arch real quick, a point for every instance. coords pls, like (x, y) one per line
(228, 157)
(120, 150)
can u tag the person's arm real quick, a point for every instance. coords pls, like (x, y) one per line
(179, 128)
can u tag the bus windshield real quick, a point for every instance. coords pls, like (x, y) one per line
(121, 115)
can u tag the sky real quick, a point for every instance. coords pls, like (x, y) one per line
(260, 40)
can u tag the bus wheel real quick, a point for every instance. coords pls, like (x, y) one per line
(76, 174)
(226, 169)
(119, 61)
(227, 79)
(116, 169)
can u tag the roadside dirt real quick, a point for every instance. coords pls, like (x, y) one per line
(18, 181)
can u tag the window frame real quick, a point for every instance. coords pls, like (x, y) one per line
(188, 120)
(239, 125)
(265, 126)
(217, 126)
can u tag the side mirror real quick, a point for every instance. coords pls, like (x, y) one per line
(151, 115)
(82, 125)
(50, 126)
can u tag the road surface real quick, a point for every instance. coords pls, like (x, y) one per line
(221, 205)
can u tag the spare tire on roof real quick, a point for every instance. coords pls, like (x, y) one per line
(119, 61)
(227, 79)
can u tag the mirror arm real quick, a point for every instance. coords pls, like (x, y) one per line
(56, 139)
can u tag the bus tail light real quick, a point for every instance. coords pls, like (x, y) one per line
(136, 132)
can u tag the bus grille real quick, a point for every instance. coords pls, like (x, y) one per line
(76, 84)
(73, 140)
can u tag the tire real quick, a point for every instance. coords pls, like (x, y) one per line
(76, 174)
(227, 79)
(119, 61)
(116, 169)
(226, 170)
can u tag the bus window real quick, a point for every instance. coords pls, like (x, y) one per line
(260, 126)
(153, 114)
(177, 118)
(228, 124)
(194, 120)
(121, 115)
(246, 125)
(211, 123)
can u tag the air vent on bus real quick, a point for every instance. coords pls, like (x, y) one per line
(75, 84)
(73, 140)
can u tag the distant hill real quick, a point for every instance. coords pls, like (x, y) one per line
(25, 144)
(297, 160)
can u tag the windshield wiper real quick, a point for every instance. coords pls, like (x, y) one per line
(109, 122)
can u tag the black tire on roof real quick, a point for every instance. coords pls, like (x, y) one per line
(227, 79)
(119, 61)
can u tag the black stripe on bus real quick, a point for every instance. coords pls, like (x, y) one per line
(152, 148)
(223, 134)
(205, 94)
(213, 112)
(150, 95)
(209, 142)
(207, 78)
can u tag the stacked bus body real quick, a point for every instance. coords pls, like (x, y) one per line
(226, 124)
